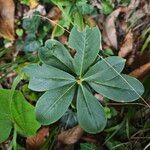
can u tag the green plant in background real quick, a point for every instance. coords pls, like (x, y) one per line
(107, 6)
(25, 2)
(73, 12)
(36, 30)
(72, 80)
(145, 35)
(88, 146)
(16, 113)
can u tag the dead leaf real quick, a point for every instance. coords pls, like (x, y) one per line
(133, 4)
(7, 10)
(109, 33)
(143, 58)
(61, 146)
(141, 71)
(127, 45)
(90, 21)
(34, 142)
(99, 97)
(54, 13)
(146, 8)
(63, 39)
(71, 136)
(89, 139)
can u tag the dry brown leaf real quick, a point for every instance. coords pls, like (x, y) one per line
(71, 136)
(90, 21)
(99, 97)
(109, 33)
(144, 112)
(33, 4)
(7, 10)
(54, 13)
(127, 45)
(146, 8)
(133, 4)
(63, 39)
(34, 142)
(141, 71)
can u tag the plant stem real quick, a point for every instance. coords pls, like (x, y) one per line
(15, 139)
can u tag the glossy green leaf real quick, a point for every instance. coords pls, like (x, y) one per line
(23, 114)
(122, 88)
(55, 50)
(90, 113)
(5, 116)
(86, 44)
(47, 77)
(54, 103)
(105, 69)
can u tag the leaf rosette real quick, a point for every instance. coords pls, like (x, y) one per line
(66, 78)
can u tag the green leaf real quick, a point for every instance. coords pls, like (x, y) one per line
(78, 20)
(55, 50)
(84, 7)
(54, 103)
(58, 31)
(5, 128)
(90, 113)
(23, 114)
(103, 70)
(5, 116)
(31, 24)
(51, 60)
(47, 77)
(120, 89)
(19, 32)
(88, 146)
(61, 3)
(69, 119)
(61, 73)
(17, 113)
(31, 43)
(107, 6)
(86, 44)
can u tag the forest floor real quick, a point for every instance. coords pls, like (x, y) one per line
(125, 31)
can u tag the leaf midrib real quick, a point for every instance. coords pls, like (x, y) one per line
(54, 78)
(112, 86)
(58, 99)
(71, 69)
(103, 71)
(83, 54)
(89, 110)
